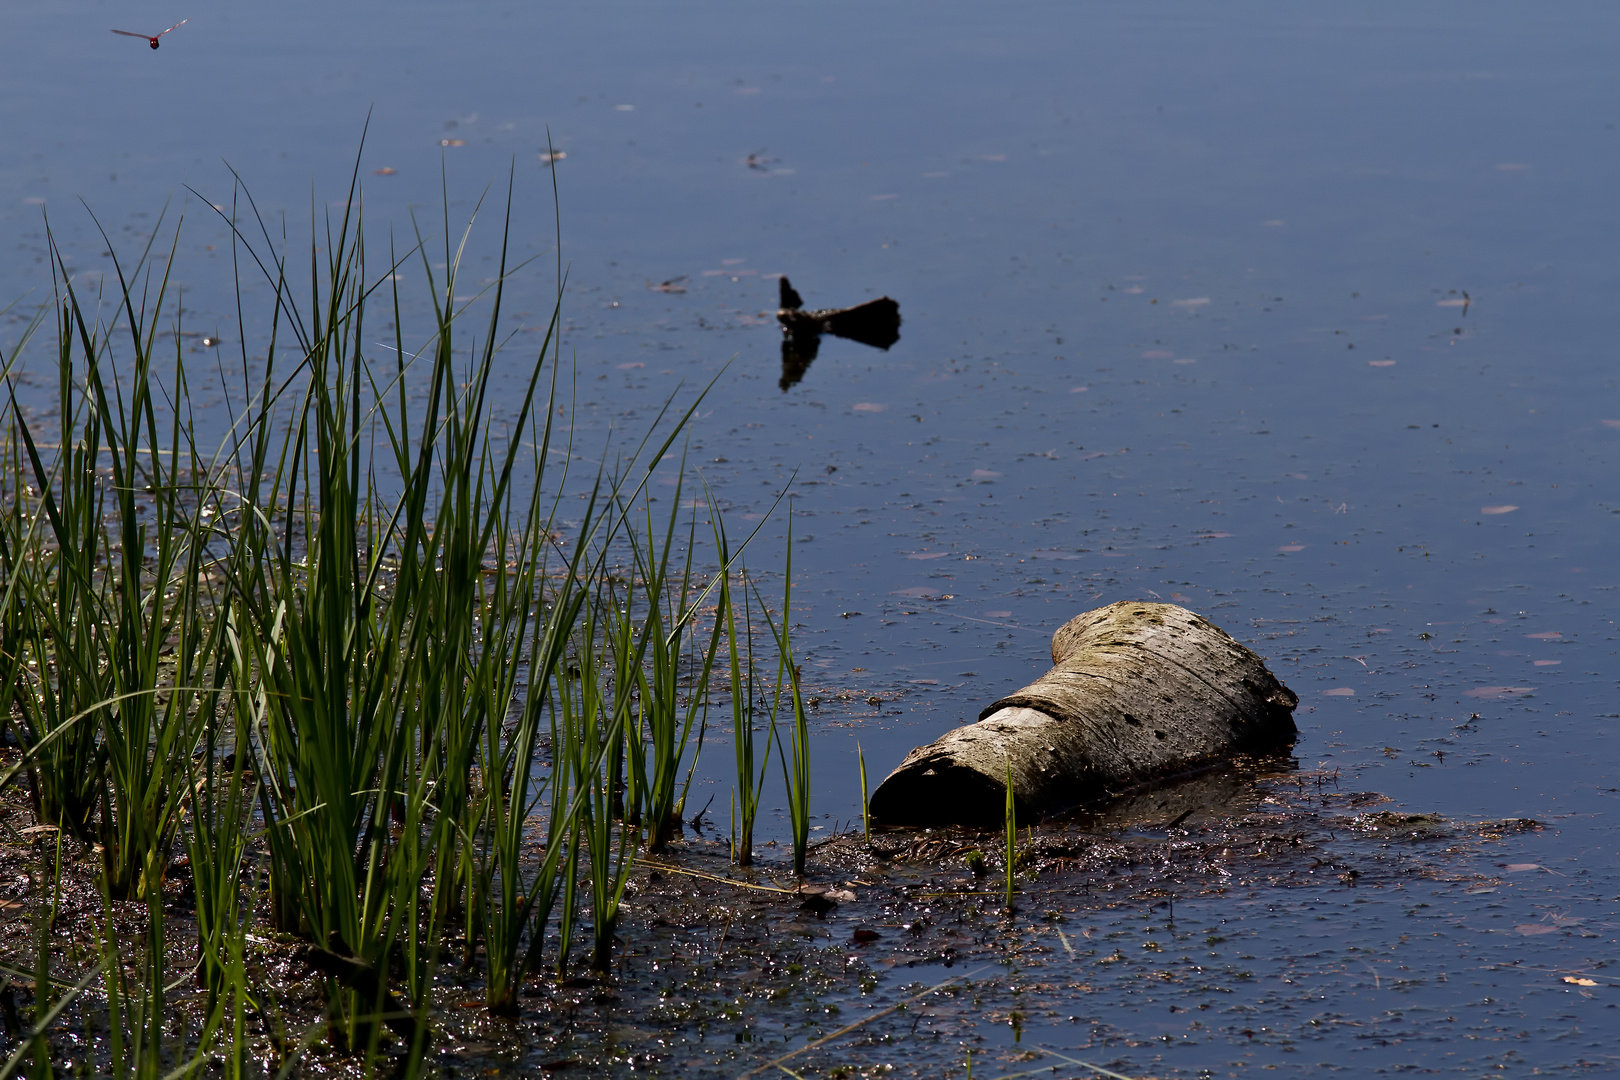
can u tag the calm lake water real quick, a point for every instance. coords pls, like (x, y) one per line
(1301, 316)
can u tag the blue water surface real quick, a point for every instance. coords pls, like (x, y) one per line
(1300, 315)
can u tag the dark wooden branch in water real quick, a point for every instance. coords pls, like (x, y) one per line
(875, 323)
(1139, 693)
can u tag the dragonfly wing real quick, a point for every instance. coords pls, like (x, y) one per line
(176, 26)
(128, 33)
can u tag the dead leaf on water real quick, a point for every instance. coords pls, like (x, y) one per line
(999, 614)
(1291, 548)
(1497, 693)
(1546, 635)
(1380, 363)
(1610, 423)
(1196, 301)
(1573, 980)
(929, 555)
(1548, 663)
(1497, 509)
(1530, 929)
(384, 171)
(1083, 389)
(981, 474)
(452, 142)
(1522, 867)
(1340, 691)
(869, 406)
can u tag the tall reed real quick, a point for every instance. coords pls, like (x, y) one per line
(866, 799)
(1010, 827)
(787, 696)
(749, 776)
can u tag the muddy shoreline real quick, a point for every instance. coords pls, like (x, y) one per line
(721, 971)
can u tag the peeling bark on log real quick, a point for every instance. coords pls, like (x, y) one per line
(1139, 693)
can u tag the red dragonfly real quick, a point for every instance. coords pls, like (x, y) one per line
(152, 39)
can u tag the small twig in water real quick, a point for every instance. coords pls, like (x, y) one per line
(776, 1063)
(1086, 1064)
(993, 622)
(1179, 818)
(715, 878)
(696, 820)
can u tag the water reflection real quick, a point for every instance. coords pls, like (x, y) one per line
(1221, 790)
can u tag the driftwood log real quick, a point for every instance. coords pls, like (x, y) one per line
(1139, 693)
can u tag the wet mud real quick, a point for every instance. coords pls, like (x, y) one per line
(895, 957)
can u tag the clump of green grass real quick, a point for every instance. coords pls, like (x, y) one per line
(658, 646)
(106, 585)
(353, 662)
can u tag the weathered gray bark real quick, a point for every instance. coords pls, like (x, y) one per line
(1139, 692)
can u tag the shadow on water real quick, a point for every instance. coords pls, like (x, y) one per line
(875, 323)
(1217, 792)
